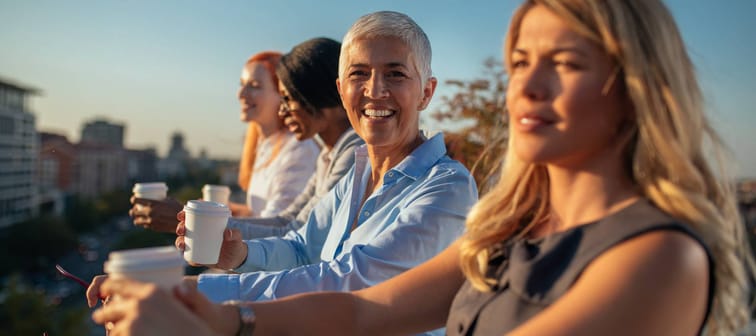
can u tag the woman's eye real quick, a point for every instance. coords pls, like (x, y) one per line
(567, 64)
(396, 74)
(519, 64)
(358, 73)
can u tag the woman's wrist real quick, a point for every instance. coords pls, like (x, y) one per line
(241, 317)
(243, 251)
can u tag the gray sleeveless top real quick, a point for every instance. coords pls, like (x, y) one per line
(535, 273)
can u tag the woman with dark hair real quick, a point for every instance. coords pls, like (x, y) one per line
(281, 165)
(310, 108)
(274, 166)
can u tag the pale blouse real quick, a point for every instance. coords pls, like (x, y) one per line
(275, 184)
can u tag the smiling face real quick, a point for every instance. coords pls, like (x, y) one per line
(258, 95)
(560, 111)
(383, 93)
(296, 118)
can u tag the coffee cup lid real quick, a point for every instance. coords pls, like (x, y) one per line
(207, 207)
(143, 259)
(147, 187)
(215, 187)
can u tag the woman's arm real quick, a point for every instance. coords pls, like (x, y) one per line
(414, 301)
(654, 284)
(239, 209)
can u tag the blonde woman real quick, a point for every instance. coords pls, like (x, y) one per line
(608, 220)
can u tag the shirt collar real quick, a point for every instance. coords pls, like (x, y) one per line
(419, 161)
(423, 157)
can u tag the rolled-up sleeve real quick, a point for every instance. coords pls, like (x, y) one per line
(426, 222)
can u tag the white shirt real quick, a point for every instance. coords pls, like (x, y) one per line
(273, 186)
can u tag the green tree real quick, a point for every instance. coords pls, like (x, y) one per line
(35, 244)
(25, 311)
(81, 214)
(478, 105)
(113, 203)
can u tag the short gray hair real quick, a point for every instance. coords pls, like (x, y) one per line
(391, 24)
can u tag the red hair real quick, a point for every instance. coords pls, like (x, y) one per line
(269, 60)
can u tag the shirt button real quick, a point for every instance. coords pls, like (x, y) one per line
(366, 213)
(391, 174)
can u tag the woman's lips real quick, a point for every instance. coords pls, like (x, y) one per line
(378, 113)
(293, 127)
(531, 123)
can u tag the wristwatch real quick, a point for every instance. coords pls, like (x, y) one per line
(246, 317)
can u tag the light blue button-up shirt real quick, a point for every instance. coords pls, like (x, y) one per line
(418, 211)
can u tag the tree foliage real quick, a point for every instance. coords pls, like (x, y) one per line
(477, 110)
(34, 244)
(25, 311)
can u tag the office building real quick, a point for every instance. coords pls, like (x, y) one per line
(18, 154)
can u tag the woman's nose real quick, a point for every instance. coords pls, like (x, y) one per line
(242, 92)
(376, 88)
(533, 83)
(282, 110)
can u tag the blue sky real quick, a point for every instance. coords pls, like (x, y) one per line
(163, 66)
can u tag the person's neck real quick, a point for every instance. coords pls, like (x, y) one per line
(268, 129)
(383, 159)
(593, 191)
(331, 135)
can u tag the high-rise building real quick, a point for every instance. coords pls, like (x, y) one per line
(175, 163)
(100, 131)
(101, 160)
(56, 172)
(18, 154)
(100, 168)
(177, 151)
(142, 165)
(57, 162)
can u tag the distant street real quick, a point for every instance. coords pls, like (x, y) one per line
(87, 262)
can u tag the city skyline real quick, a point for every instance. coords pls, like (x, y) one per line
(173, 66)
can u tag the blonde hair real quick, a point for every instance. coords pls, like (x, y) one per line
(666, 156)
(269, 59)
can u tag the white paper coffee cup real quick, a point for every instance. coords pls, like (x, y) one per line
(216, 193)
(205, 222)
(160, 265)
(154, 190)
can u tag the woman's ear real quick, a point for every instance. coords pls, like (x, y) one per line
(428, 90)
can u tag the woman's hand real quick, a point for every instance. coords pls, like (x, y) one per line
(155, 215)
(233, 250)
(145, 309)
(239, 209)
(93, 291)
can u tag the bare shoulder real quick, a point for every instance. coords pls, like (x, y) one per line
(667, 254)
(657, 277)
(653, 284)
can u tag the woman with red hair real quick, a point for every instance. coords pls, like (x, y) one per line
(274, 167)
